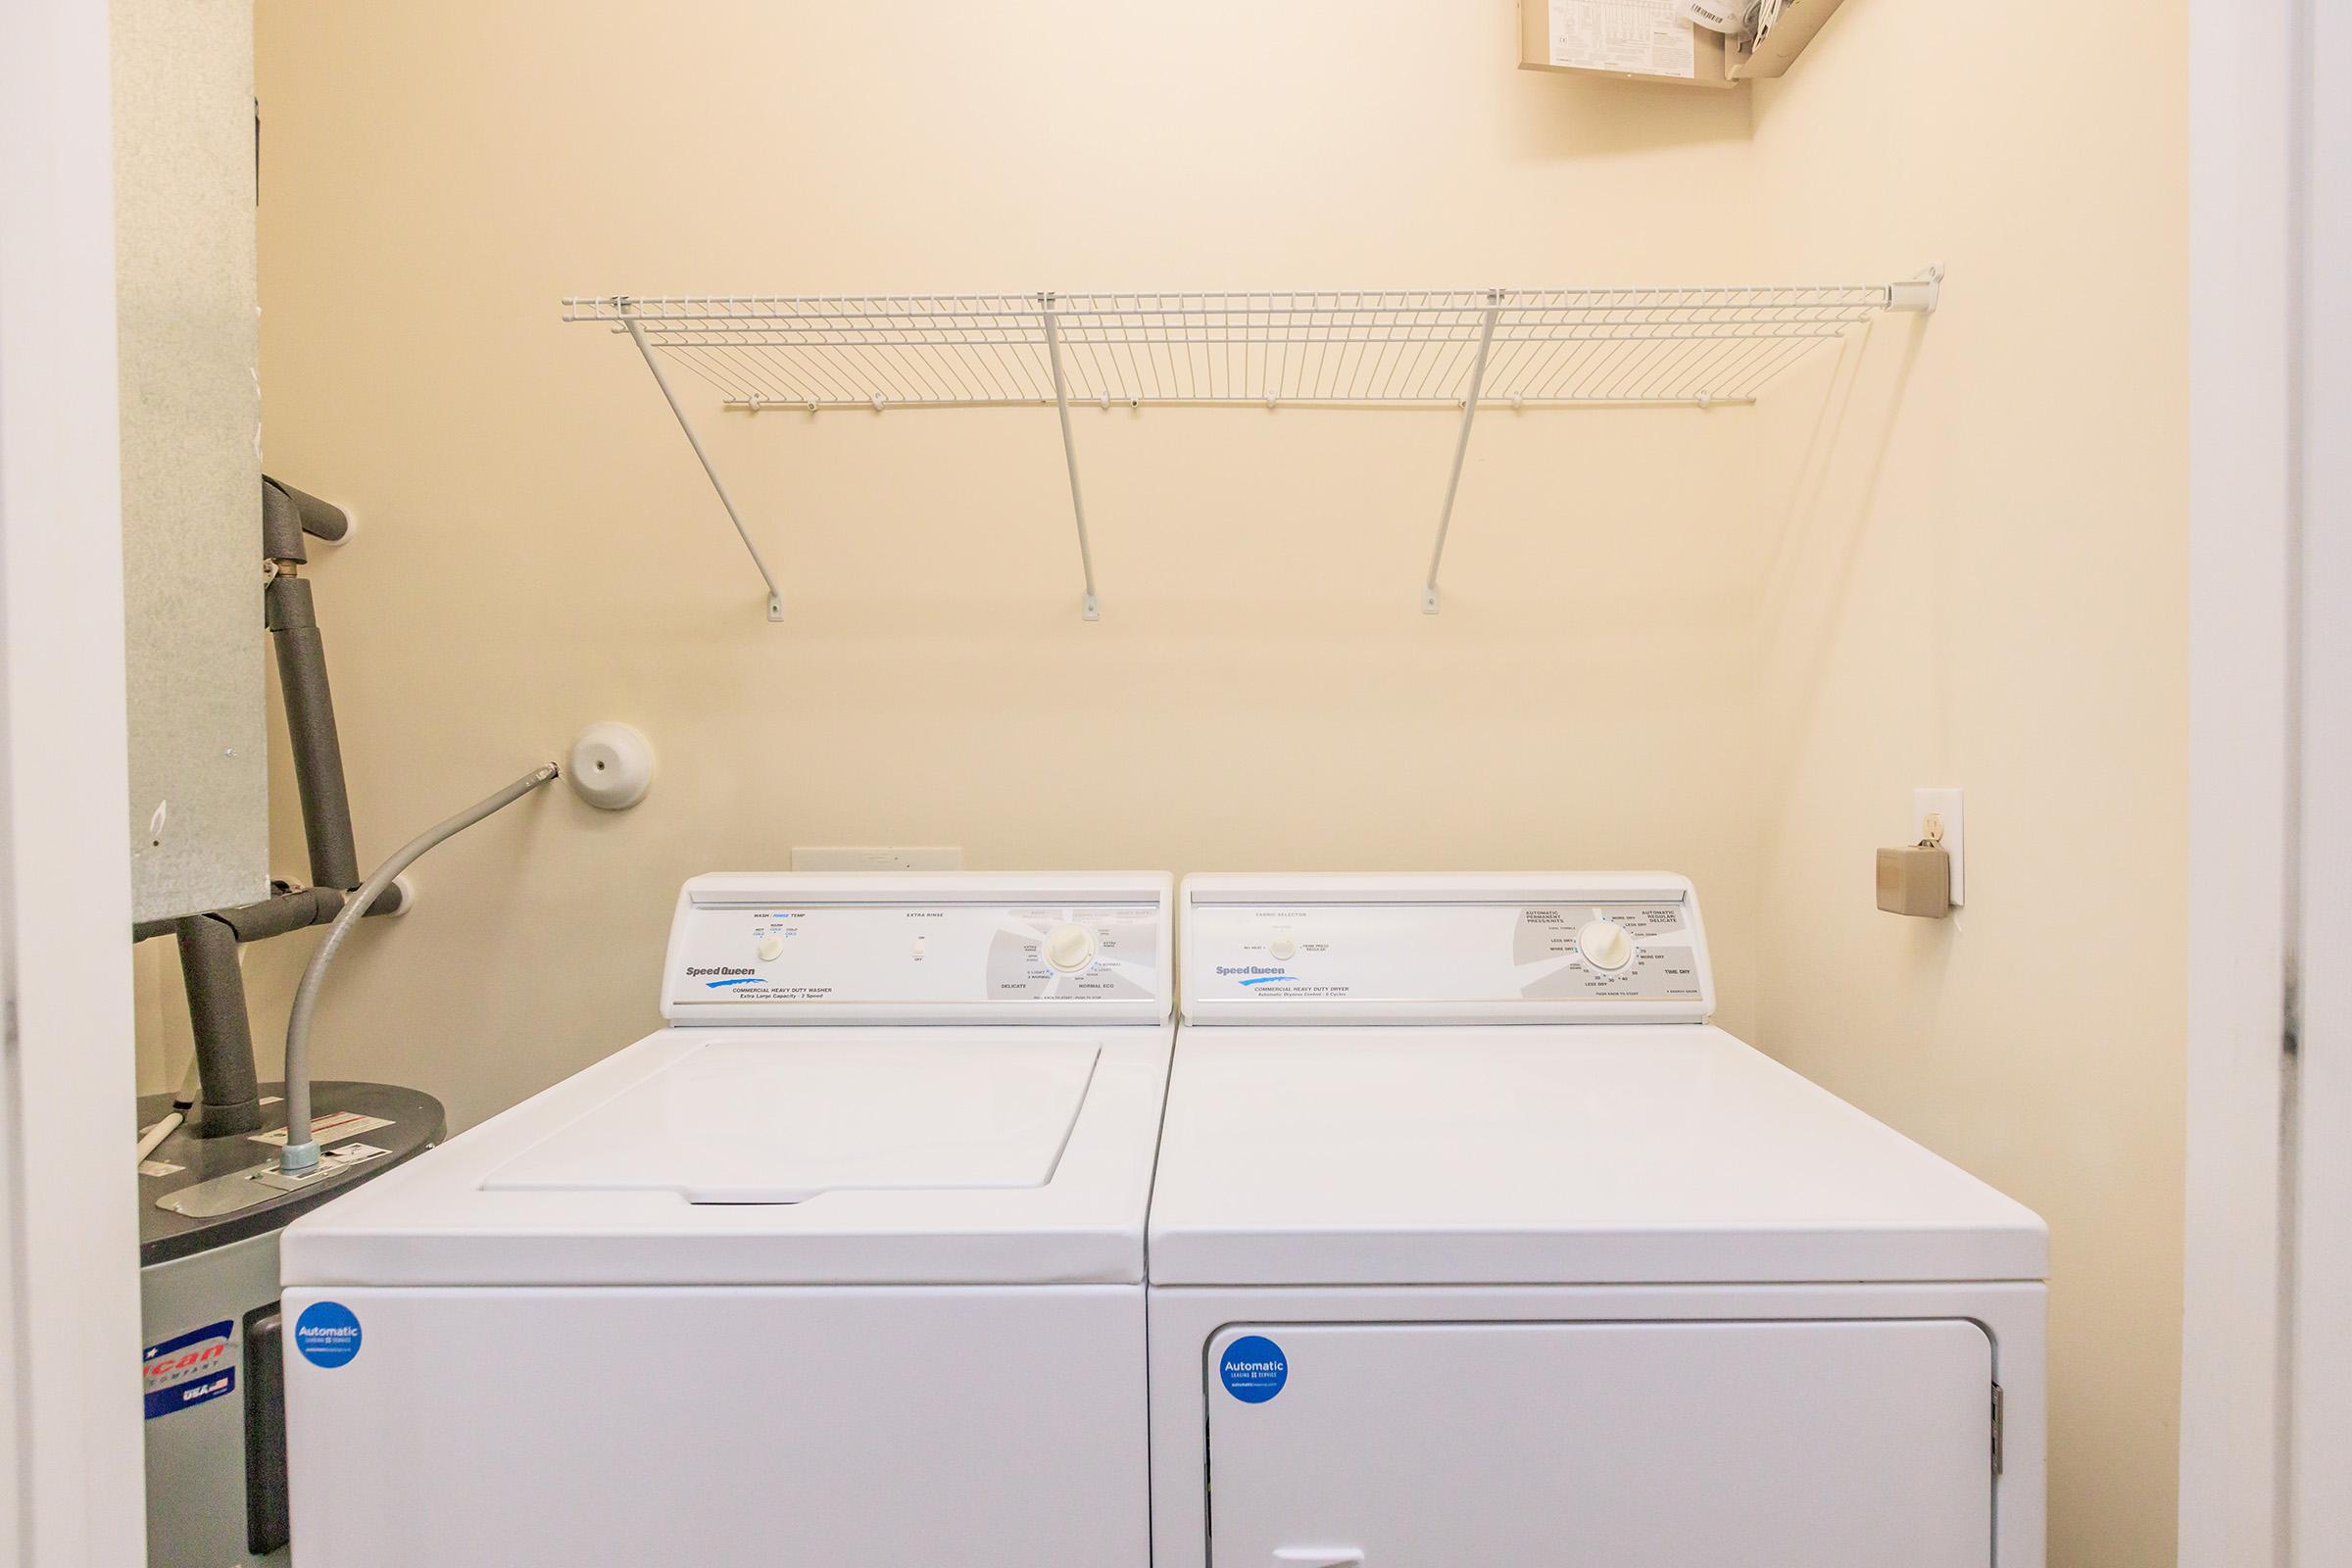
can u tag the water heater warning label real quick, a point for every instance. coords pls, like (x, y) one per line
(189, 1368)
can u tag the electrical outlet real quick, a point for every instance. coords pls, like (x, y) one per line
(1942, 806)
(844, 858)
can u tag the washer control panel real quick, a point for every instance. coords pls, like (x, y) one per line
(1417, 950)
(738, 956)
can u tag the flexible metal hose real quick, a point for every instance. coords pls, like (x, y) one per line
(302, 1149)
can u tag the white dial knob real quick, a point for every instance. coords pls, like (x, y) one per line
(1605, 945)
(1069, 948)
(772, 947)
(1282, 946)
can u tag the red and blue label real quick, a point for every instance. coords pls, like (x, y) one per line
(189, 1368)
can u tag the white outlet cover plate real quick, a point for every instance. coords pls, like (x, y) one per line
(1943, 802)
(853, 857)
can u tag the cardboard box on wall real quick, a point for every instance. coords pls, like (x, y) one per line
(1710, 65)
(1718, 63)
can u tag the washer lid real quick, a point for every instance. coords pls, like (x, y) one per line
(866, 1156)
(782, 1121)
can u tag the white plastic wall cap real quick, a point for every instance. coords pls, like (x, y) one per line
(610, 767)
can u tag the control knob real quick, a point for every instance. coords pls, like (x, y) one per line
(1605, 945)
(1070, 947)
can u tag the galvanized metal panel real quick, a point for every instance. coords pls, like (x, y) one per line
(184, 173)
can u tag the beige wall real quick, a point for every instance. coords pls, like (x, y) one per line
(537, 548)
(1980, 536)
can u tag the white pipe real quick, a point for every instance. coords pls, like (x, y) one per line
(155, 1135)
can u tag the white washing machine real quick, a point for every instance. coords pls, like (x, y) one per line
(1474, 1244)
(842, 1268)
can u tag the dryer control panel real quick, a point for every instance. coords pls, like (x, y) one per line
(977, 947)
(1440, 949)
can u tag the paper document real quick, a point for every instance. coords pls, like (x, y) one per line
(1653, 37)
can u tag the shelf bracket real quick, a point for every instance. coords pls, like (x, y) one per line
(628, 318)
(1092, 607)
(1462, 447)
(1919, 295)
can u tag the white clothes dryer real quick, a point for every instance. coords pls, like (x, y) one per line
(1474, 1244)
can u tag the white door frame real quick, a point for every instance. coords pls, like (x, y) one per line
(2320, 1135)
(2266, 1434)
(71, 1496)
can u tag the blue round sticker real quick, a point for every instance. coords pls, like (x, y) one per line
(1253, 1369)
(327, 1333)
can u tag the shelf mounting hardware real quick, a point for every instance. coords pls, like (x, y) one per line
(1462, 447)
(628, 318)
(1092, 607)
(1917, 296)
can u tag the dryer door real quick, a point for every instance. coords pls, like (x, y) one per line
(1759, 1444)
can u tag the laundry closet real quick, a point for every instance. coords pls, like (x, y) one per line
(1084, 467)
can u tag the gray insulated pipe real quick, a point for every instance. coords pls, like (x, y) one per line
(302, 1149)
(288, 516)
(311, 732)
(301, 511)
(230, 1100)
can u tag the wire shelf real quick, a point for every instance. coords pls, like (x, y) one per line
(1400, 347)
(1460, 349)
